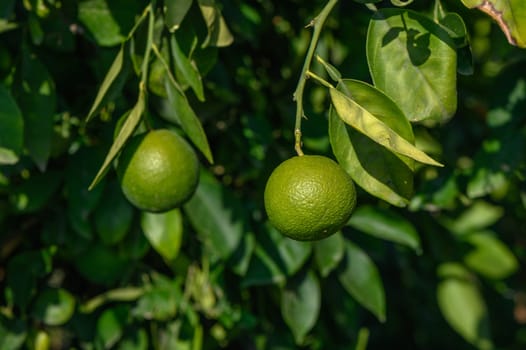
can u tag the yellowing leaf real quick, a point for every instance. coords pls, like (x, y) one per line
(366, 123)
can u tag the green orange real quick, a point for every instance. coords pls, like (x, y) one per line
(158, 170)
(309, 197)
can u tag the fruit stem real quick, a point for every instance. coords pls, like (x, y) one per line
(317, 23)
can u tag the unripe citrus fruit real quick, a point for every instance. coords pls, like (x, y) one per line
(158, 170)
(309, 197)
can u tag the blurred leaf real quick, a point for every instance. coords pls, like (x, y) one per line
(368, 124)
(111, 76)
(218, 33)
(240, 259)
(413, 60)
(100, 265)
(111, 324)
(184, 115)
(109, 21)
(160, 301)
(175, 12)
(463, 306)
(385, 224)
(478, 216)
(134, 339)
(129, 125)
(23, 273)
(164, 231)
(54, 307)
(11, 128)
(300, 304)
(81, 201)
(112, 295)
(329, 252)
(490, 257)
(113, 216)
(262, 270)
(187, 68)
(13, 333)
(36, 97)
(509, 15)
(373, 167)
(290, 254)
(217, 216)
(35, 192)
(361, 279)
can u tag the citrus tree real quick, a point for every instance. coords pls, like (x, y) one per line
(212, 174)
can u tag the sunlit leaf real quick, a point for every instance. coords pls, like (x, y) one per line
(373, 167)
(54, 307)
(385, 224)
(216, 215)
(218, 33)
(11, 128)
(463, 306)
(413, 60)
(300, 304)
(509, 15)
(478, 216)
(329, 252)
(490, 256)
(13, 333)
(361, 279)
(164, 231)
(366, 123)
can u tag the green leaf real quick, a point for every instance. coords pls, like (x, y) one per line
(240, 259)
(373, 167)
(164, 231)
(108, 21)
(330, 69)
(175, 12)
(218, 33)
(113, 73)
(129, 125)
(478, 216)
(329, 252)
(489, 256)
(11, 128)
(300, 304)
(385, 224)
(183, 114)
(160, 302)
(462, 305)
(413, 60)
(188, 69)
(262, 270)
(217, 216)
(81, 201)
(509, 15)
(361, 279)
(34, 193)
(112, 295)
(290, 254)
(352, 113)
(13, 333)
(54, 307)
(110, 326)
(36, 97)
(134, 339)
(100, 265)
(113, 216)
